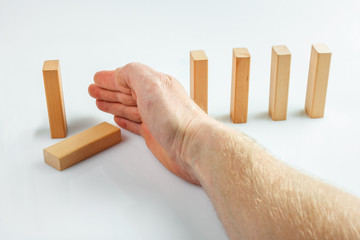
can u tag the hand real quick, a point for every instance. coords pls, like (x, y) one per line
(153, 105)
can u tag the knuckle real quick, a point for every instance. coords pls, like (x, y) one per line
(132, 66)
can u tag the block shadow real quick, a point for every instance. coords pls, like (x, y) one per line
(299, 114)
(224, 118)
(75, 125)
(260, 116)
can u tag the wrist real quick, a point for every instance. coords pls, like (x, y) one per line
(211, 147)
(203, 145)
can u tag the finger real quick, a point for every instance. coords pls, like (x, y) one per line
(111, 96)
(119, 109)
(128, 125)
(106, 79)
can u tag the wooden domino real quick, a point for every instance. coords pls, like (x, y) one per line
(240, 85)
(54, 99)
(279, 82)
(199, 78)
(317, 80)
(82, 145)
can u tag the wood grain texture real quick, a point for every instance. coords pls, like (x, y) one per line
(199, 78)
(54, 98)
(317, 80)
(279, 82)
(82, 145)
(240, 85)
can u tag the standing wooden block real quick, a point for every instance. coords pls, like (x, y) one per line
(199, 78)
(54, 99)
(279, 82)
(318, 80)
(240, 85)
(82, 145)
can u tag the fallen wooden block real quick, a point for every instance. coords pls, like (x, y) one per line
(199, 78)
(279, 82)
(82, 145)
(318, 80)
(240, 85)
(54, 99)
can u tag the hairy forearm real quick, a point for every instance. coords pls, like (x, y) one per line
(258, 197)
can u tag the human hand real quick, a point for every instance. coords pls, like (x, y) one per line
(153, 105)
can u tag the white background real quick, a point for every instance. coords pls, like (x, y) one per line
(123, 192)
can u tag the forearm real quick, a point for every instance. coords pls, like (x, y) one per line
(258, 197)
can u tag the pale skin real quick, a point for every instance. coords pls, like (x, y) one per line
(255, 195)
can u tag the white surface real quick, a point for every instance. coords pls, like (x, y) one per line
(124, 193)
